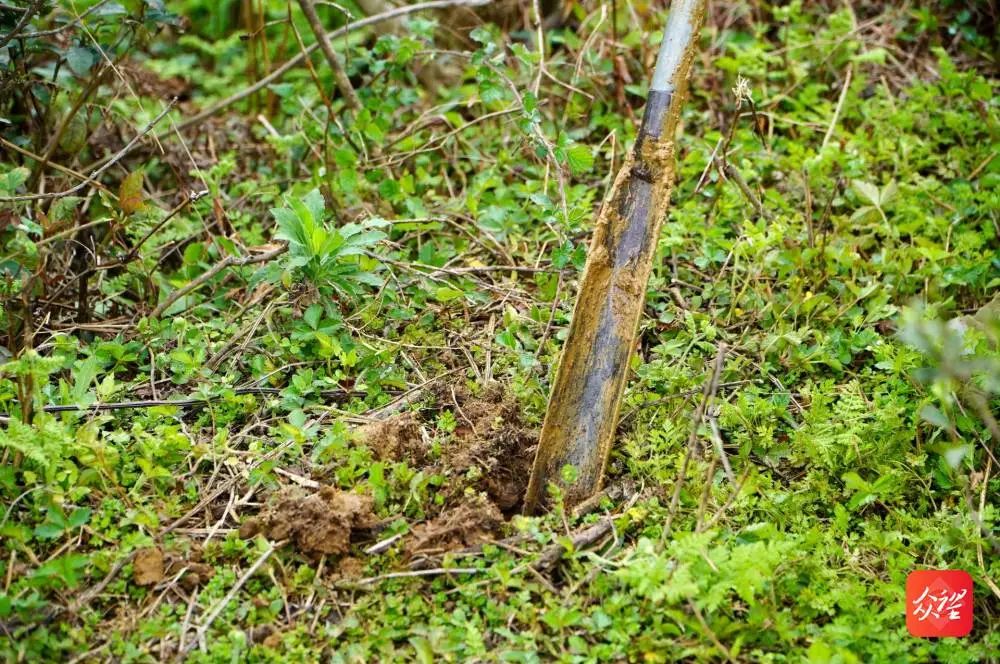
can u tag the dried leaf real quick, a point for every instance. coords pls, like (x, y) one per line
(130, 193)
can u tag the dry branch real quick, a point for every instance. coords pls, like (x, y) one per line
(25, 17)
(339, 75)
(228, 261)
(224, 602)
(97, 172)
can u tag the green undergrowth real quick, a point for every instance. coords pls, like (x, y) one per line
(856, 306)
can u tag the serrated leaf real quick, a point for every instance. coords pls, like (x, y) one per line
(490, 92)
(580, 159)
(48, 530)
(312, 316)
(329, 347)
(867, 191)
(79, 517)
(13, 179)
(130, 193)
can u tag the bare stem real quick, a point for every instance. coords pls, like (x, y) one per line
(339, 75)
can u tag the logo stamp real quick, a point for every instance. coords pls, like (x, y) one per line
(939, 603)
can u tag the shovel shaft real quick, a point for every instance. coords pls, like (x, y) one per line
(582, 414)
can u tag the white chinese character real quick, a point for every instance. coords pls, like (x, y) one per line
(951, 604)
(928, 608)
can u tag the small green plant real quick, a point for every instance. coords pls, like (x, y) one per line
(334, 260)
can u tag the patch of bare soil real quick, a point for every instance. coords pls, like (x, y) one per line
(350, 568)
(152, 565)
(147, 83)
(471, 522)
(492, 436)
(316, 523)
(398, 438)
(491, 444)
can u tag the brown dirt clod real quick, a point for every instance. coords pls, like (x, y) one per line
(195, 574)
(351, 568)
(152, 565)
(317, 523)
(273, 640)
(148, 567)
(398, 438)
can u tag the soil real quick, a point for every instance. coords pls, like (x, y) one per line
(351, 568)
(147, 567)
(472, 522)
(490, 444)
(147, 83)
(399, 438)
(152, 565)
(317, 523)
(492, 436)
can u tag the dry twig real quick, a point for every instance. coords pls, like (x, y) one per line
(228, 261)
(339, 75)
(711, 387)
(25, 17)
(93, 176)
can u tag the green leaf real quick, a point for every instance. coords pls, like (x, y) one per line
(482, 35)
(446, 294)
(130, 193)
(13, 179)
(369, 279)
(888, 192)
(580, 159)
(312, 316)
(79, 517)
(80, 60)
(955, 455)
(933, 415)
(314, 202)
(491, 92)
(875, 55)
(867, 191)
(48, 530)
